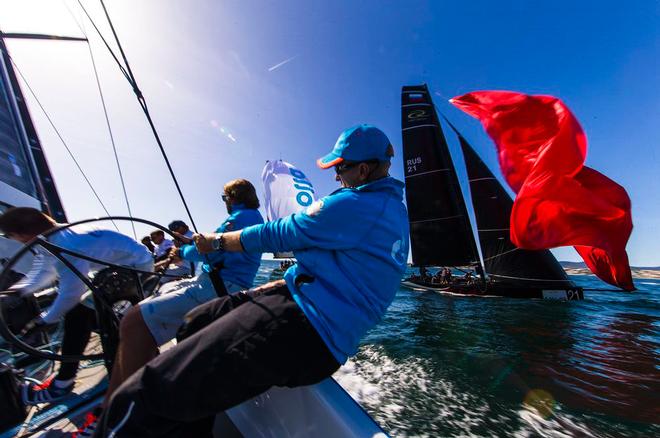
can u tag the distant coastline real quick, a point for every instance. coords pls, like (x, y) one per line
(579, 268)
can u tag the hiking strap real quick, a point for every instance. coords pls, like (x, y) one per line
(216, 280)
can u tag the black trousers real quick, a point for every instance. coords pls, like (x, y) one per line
(232, 349)
(78, 325)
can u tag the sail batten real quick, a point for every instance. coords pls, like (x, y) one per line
(436, 219)
(418, 127)
(415, 104)
(430, 171)
(433, 193)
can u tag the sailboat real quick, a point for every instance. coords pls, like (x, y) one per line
(441, 232)
(324, 409)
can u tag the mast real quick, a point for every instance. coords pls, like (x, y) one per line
(503, 261)
(14, 106)
(440, 229)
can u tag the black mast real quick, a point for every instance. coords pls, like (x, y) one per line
(440, 229)
(48, 195)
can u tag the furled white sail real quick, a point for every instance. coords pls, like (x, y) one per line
(287, 191)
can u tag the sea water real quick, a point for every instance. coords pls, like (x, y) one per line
(440, 365)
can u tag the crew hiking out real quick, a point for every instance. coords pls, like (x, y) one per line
(351, 249)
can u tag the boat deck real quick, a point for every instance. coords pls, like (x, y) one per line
(323, 410)
(90, 386)
(70, 414)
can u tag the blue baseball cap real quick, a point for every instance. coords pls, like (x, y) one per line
(359, 143)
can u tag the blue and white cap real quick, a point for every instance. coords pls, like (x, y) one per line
(359, 143)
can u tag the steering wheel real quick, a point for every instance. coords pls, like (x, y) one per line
(112, 274)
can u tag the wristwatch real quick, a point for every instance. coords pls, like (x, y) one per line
(218, 244)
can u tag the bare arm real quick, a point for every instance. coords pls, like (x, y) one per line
(231, 241)
(162, 265)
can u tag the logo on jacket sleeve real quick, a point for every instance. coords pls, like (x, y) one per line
(315, 208)
(399, 252)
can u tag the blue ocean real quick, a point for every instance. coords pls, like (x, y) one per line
(441, 365)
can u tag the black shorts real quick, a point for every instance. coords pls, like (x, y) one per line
(232, 349)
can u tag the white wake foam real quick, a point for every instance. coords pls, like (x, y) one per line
(405, 399)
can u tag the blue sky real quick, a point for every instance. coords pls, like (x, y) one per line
(232, 84)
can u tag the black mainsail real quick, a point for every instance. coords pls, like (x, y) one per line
(440, 230)
(503, 261)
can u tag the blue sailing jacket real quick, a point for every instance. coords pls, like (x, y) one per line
(239, 267)
(354, 243)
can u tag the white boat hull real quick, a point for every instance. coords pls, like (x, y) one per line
(321, 410)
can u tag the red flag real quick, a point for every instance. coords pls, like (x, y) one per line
(541, 149)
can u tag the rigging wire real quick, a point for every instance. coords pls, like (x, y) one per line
(112, 52)
(112, 140)
(89, 183)
(143, 104)
(107, 120)
(130, 77)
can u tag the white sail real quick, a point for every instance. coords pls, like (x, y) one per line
(286, 190)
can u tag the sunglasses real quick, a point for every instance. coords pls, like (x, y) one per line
(225, 197)
(343, 167)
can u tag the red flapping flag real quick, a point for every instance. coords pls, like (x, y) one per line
(560, 201)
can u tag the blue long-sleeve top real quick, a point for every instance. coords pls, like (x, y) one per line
(239, 268)
(354, 243)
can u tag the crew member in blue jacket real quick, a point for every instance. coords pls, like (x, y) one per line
(351, 247)
(240, 268)
(154, 322)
